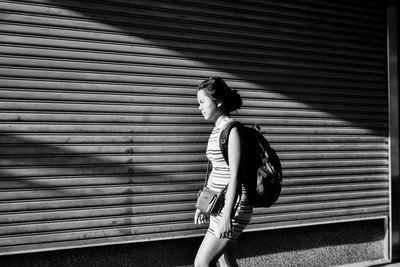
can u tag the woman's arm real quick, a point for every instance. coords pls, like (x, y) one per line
(234, 156)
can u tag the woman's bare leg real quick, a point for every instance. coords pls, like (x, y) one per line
(211, 249)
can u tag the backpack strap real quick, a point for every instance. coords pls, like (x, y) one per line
(224, 138)
(223, 145)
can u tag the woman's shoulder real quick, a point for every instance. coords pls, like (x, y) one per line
(232, 124)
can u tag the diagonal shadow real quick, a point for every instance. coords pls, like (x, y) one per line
(23, 160)
(36, 171)
(264, 63)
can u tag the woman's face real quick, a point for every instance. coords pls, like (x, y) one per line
(207, 106)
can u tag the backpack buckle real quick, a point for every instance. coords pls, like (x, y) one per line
(257, 127)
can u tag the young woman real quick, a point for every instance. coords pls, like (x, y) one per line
(216, 101)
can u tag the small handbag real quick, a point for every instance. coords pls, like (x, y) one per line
(210, 202)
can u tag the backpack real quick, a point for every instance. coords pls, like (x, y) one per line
(262, 172)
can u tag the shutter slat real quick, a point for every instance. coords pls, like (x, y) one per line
(23, 183)
(119, 138)
(92, 57)
(148, 50)
(170, 77)
(173, 40)
(126, 98)
(254, 73)
(248, 113)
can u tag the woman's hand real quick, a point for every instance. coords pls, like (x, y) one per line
(199, 217)
(225, 227)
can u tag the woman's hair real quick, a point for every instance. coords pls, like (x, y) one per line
(218, 90)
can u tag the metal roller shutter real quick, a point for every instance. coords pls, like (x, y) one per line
(101, 140)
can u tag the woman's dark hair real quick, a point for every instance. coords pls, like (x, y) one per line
(220, 91)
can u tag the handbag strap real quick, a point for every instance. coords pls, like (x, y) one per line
(207, 171)
(224, 137)
(207, 175)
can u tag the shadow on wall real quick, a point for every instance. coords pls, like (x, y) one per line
(30, 158)
(60, 188)
(211, 36)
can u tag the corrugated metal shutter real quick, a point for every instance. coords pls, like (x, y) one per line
(101, 139)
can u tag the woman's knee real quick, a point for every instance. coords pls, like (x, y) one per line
(205, 258)
(201, 262)
(210, 250)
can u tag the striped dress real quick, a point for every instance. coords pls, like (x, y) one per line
(218, 179)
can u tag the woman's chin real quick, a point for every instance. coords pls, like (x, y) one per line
(208, 117)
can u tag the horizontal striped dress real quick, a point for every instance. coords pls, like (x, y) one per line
(218, 179)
